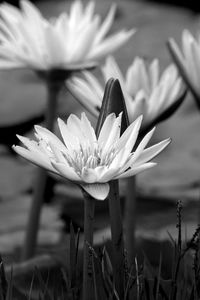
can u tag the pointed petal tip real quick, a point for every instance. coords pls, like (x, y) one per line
(140, 119)
(15, 148)
(22, 138)
(170, 40)
(60, 121)
(19, 136)
(168, 141)
(152, 164)
(113, 8)
(151, 132)
(98, 191)
(132, 31)
(37, 127)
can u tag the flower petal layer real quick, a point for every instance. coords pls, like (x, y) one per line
(98, 191)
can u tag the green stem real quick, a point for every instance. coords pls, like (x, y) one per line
(117, 238)
(88, 283)
(41, 178)
(129, 220)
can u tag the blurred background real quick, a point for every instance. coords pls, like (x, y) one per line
(193, 5)
(22, 102)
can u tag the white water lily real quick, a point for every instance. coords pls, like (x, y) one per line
(89, 161)
(27, 39)
(145, 90)
(188, 60)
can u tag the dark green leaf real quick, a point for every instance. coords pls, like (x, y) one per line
(113, 102)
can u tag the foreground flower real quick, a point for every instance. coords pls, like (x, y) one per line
(89, 161)
(145, 90)
(27, 39)
(188, 61)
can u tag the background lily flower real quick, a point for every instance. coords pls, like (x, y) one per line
(146, 91)
(27, 39)
(88, 161)
(188, 61)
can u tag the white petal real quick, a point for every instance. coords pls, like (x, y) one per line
(55, 50)
(30, 144)
(74, 125)
(106, 25)
(138, 107)
(141, 146)
(120, 159)
(10, 13)
(105, 130)
(70, 140)
(135, 170)
(177, 51)
(59, 157)
(88, 129)
(137, 78)
(75, 13)
(49, 137)
(36, 158)
(113, 136)
(152, 151)
(175, 91)
(89, 11)
(86, 91)
(110, 44)
(130, 135)
(98, 191)
(195, 48)
(143, 77)
(190, 64)
(169, 75)
(89, 175)
(6, 32)
(31, 11)
(66, 171)
(111, 69)
(158, 97)
(32, 53)
(154, 73)
(95, 85)
(109, 174)
(7, 64)
(83, 43)
(173, 95)
(79, 89)
(187, 41)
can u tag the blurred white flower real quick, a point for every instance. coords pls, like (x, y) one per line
(145, 90)
(188, 60)
(87, 160)
(27, 39)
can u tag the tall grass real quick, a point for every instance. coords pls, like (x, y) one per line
(143, 281)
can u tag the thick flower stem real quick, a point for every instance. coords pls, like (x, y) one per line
(88, 283)
(41, 178)
(129, 219)
(117, 238)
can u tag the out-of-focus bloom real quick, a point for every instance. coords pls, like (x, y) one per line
(188, 60)
(27, 39)
(89, 161)
(145, 90)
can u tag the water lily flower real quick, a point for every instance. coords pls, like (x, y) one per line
(27, 39)
(188, 61)
(89, 161)
(145, 90)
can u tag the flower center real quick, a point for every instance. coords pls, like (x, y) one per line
(90, 158)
